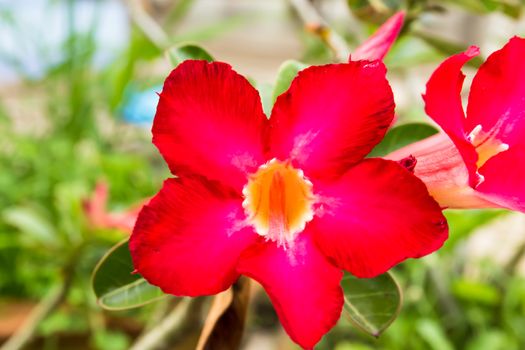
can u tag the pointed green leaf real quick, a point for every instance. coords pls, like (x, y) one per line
(265, 92)
(32, 223)
(287, 72)
(401, 136)
(434, 334)
(447, 47)
(371, 304)
(180, 53)
(116, 287)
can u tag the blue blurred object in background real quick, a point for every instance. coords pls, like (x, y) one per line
(139, 106)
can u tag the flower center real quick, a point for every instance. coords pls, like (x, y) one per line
(278, 201)
(487, 145)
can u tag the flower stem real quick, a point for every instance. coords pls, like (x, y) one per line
(225, 323)
(142, 19)
(315, 23)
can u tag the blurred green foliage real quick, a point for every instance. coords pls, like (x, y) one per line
(77, 139)
(49, 171)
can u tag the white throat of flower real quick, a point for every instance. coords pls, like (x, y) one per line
(486, 144)
(278, 201)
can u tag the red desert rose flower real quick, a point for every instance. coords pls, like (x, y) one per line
(477, 161)
(289, 201)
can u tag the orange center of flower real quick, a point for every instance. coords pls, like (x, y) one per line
(278, 201)
(487, 145)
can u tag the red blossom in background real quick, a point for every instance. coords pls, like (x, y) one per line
(288, 201)
(477, 161)
(98, 216)
(377, 46)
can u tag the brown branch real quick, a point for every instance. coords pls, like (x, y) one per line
(315, 24)
(224, 326)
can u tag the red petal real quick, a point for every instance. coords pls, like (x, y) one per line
(188, 239)
(375, 216)
(497, 96)
(440, 166)
(504, 179)
(303, 286)
(210, 122)
(443, 104)
(332, 116)
(377, 46)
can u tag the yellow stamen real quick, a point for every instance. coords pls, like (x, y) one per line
(487, 145)
(278, 201)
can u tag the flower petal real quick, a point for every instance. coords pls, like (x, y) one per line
(210, 122)
(303, 286)
(376, 47)
(440, 166)
(331, 117)
(497, 95)
(504, 179)
(443, 104)
(375, 216)
(188, 239)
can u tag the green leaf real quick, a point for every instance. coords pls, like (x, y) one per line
(410, 51)
(180, 53)
(265, 92)
(371, 304)
(106, 339)
(476, 291)
(510, 8)
(401, 136)
(448, 48)
(463, 222)
(33, 223)
(492, 339)
(116, 287)
(287, 72)
(433, 334)
(477, 6)
(346, 345)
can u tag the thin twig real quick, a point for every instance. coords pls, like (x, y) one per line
(379, 6)
(26, 332)
(314, 23)
(179, 323)
(162, 308)
(516, 258)
(140, 16)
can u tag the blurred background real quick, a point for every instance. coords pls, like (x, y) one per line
(78, 83)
